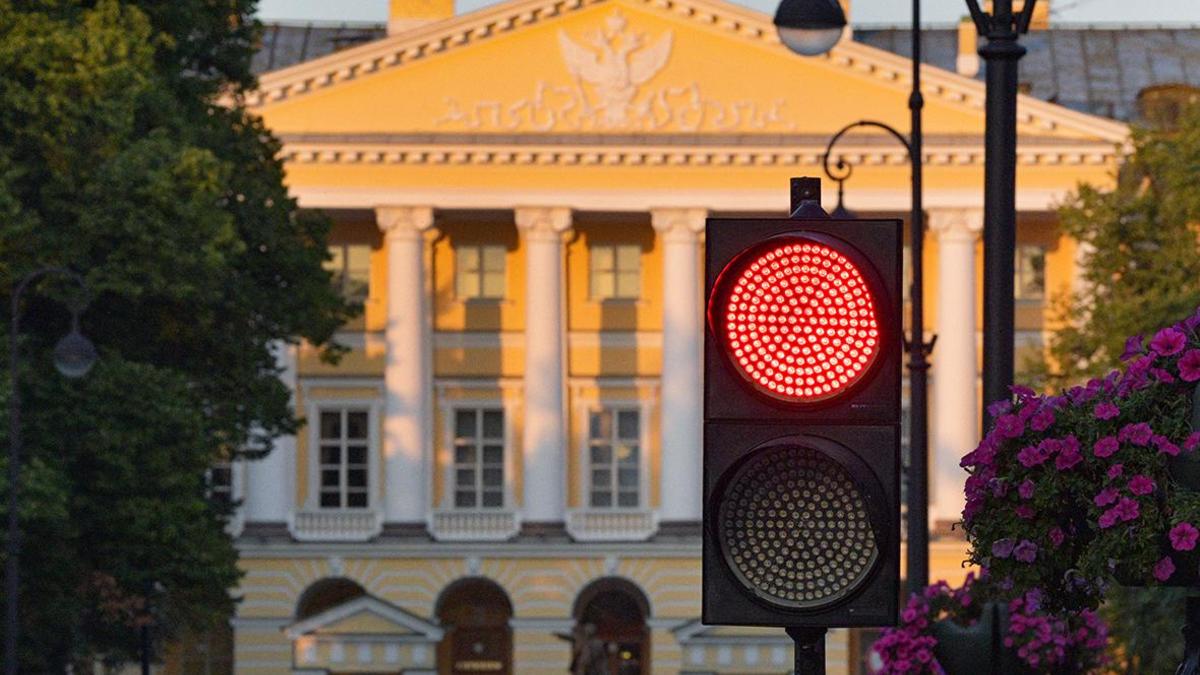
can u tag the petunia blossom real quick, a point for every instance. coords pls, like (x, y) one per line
(1133, 347)
(1002, 548)
(1192, 441)
(1189, 366)
(1138, 434)
(1057, 536)
(1106, 496)
(1106, 447)
(1026, 489)
(1164, 445)
(1115, 470)
(1106, 411)
(1141, 485)
(1183, 536)
(1026, 551)
(1168, 341)
(1163, 569)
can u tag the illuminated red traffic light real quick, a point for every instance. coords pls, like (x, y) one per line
(798, 319)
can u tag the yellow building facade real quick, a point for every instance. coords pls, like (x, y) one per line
(510, 450)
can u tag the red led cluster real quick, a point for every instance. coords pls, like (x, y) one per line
(800, 321)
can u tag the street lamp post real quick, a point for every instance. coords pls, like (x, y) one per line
(1001, 53)
(806, 23)
(73, 357)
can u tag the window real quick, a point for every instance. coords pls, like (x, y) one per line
(344, 439)
(479, 272)
(220, 483)
(1030, 283)
(614, 458)
(616, 272)
(479, 458)
(351, 268)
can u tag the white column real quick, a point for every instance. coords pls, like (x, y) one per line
(270, 481)
(407, 377)
(682, 362)
(545, 439)
(955, 408)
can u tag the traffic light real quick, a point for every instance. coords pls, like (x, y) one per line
(802, 422)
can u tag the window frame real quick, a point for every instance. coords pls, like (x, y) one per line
(613, 465)
(495, 395)
(645, 403)
(614, 271)
(480, 272)
(341, 277)
(373, 408)
(1019, 270)
(478, 465)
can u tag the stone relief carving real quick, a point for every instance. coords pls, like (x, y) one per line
(611, 69)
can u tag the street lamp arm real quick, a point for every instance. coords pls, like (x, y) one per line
(842, 169)
(30, 278)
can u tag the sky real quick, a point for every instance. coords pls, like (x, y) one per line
(863, 12)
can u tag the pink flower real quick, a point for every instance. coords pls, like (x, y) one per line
(1068, 459)
(1163, 569)
(1057, 536)
(1168, 341)
(1024, 511)
(1192, 441)
(1133, 347)
(1002, 548)
(1106, 411)
(1127, 509)
(1026, 551)
(1108, 519)
(1162, 375)
(1165, 446)
(1115, 470)
(1183, 536)
(1106, 447)
(1026, 489)
(1141, 485)
(1189, 366)
(1042, 420)
(1138, 434)
(1010, 426)
(1105, 497)
(1031, 456)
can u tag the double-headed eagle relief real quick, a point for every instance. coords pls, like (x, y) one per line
(610, 86)
(615, 66)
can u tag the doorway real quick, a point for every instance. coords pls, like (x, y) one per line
(475, 614)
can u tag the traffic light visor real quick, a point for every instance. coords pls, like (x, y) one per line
(796, 315)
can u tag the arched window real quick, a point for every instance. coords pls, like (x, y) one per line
(326, 594)
(475, 615)
(611, 636)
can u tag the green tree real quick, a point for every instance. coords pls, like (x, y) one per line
(125, 155)
(1142, 272)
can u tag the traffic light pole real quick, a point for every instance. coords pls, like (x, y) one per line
(809, 650)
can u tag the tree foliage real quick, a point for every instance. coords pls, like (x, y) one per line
(1141, 272)
(126, 156)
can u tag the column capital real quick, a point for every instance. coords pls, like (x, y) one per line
(678, 224)
(956, 224)
(406, 222)
(542, 223)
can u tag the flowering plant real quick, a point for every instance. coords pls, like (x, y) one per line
(1071, 492)
(1042, 641)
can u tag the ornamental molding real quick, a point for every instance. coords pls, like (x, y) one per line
(956, 224)
(458, 154)
(678, 225)
(462, 31)
(403, 221)
(542, 223)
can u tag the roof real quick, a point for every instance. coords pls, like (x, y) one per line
(1089, 69)
(1097, 70)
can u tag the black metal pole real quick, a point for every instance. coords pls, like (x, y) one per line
(1001, 54)
(918, 350)
(12, 541)
(809, 646)
(145, 638)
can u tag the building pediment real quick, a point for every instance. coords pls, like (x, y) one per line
(365, 616)
(660, 68)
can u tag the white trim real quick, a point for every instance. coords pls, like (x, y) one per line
(615, 339)
(423, 550)
(366, 603)
(308, 383)
(478, 340)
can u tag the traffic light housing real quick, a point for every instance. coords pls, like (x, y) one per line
(802, 422)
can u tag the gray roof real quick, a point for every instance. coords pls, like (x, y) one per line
(1090, 69)
(1094, 70)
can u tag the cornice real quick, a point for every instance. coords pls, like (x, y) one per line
(350, 153)
(745, 24)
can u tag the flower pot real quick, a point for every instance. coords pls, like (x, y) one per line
(977, 649)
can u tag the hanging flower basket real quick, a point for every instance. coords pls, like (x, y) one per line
(1098, 485)
(967, 630)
